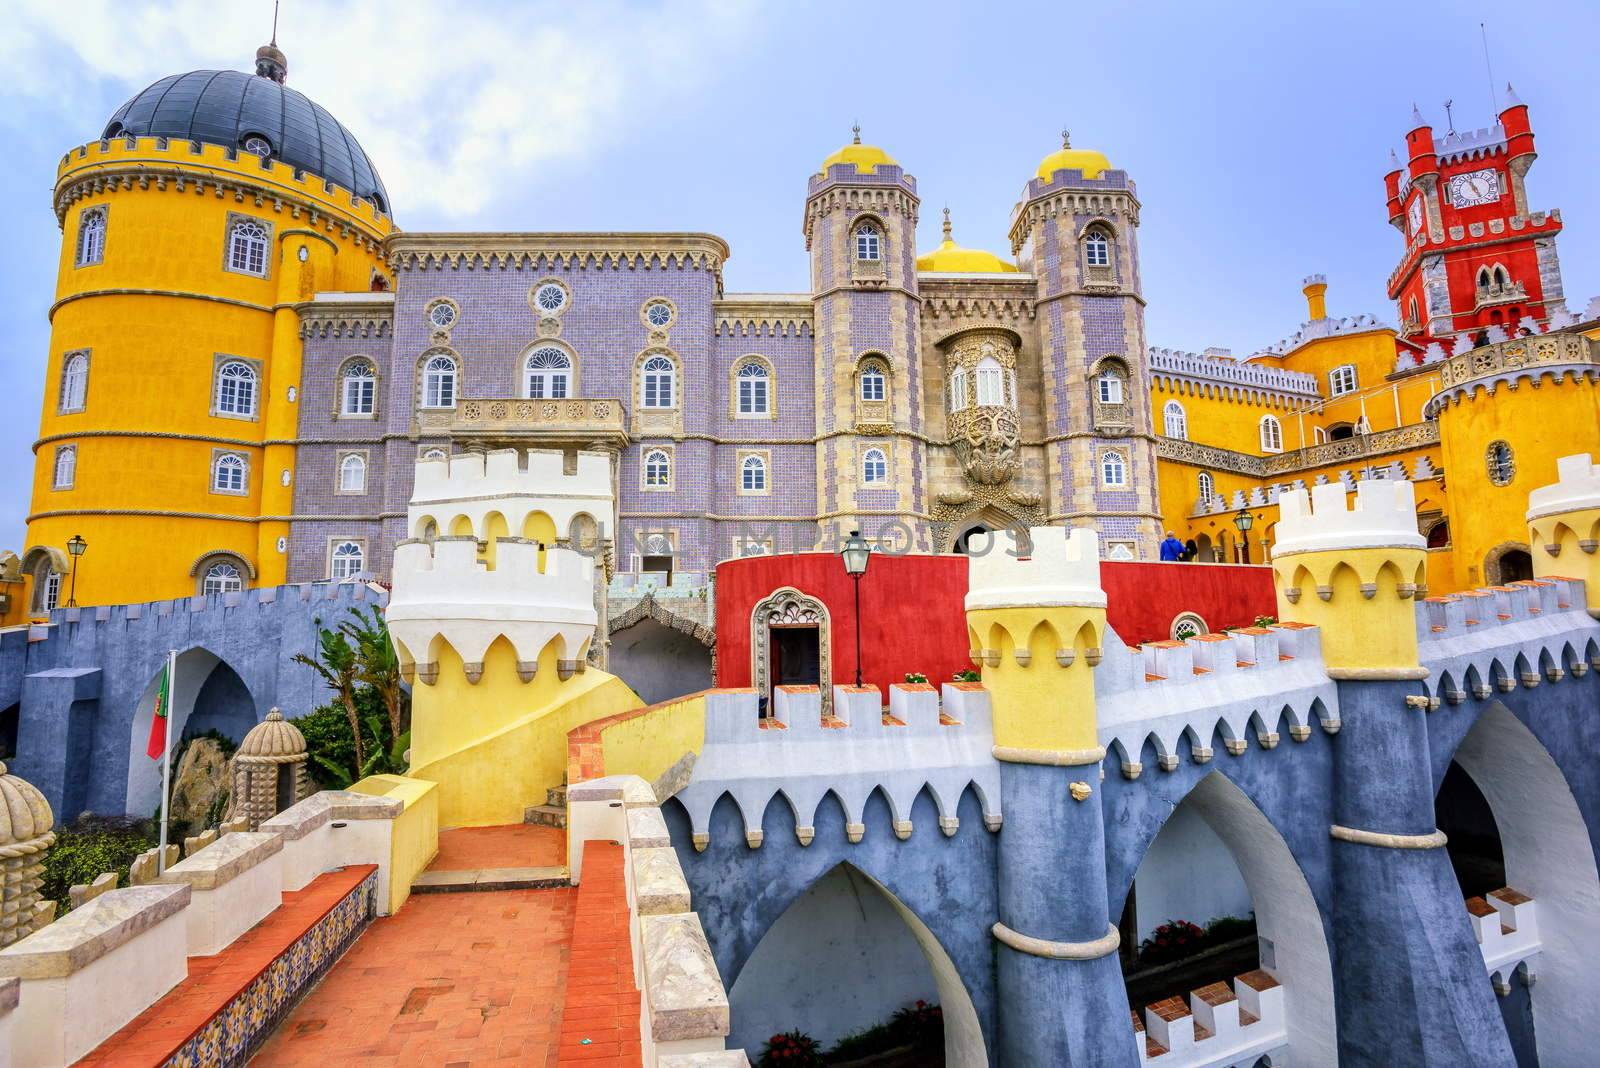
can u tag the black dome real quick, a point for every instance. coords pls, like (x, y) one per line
(224, 107)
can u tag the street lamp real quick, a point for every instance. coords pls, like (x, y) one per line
(855, 553)
(76, 546)
(1244, 521)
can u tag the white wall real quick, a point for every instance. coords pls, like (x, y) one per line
(1187, 874)
(839, 960)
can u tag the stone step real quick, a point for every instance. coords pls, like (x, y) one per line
(546, 815)
(556, 795)
(485, 879)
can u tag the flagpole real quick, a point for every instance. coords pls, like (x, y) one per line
(166, 751)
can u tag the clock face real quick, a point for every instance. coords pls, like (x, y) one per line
(1478, 187)
(1416, 215)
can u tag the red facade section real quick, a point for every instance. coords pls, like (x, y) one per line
(914, 618)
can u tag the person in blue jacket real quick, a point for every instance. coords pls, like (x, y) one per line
(1171, 548)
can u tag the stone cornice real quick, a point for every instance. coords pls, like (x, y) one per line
(763, 314)
(1106, 203)
(502, 250)
(340, 319)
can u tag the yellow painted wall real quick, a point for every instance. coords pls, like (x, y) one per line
(154, 315)
(1359, 633)
(414, 840)
(1541, 425)
(1557, 551)
(649, 744)
(494, 747)
(1039, 705)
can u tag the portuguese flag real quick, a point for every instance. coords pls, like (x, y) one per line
(158, 722)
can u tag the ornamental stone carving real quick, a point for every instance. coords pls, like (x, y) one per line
(986, 441)
(788, 607)
(986, 436)
(25, 835)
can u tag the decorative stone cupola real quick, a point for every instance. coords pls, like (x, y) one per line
(269, 770)
(25, 835)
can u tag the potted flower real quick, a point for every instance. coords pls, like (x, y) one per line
(916, 678)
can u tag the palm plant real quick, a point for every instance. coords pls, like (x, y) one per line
(378, 666)
(338, 664)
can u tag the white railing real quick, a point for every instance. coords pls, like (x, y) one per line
(1218, 1028)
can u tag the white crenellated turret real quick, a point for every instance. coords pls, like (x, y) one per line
(1062, 568)
(1384, 516)
(1577, 488)
(1564, 526)
(476, 486)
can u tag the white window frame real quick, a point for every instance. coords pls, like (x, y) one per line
(958, 389)
(1342, 380)
(1207, 485)
(1108, 386)
(1175, 421)
(340, 557)
(52, 591)
(875, 467)
(655, 456)
(1097, 248)
(358, 389)
(754, 389)
(753, 478)
(91, 247)
(551, 380)
(64, 471)
(869, 242)
(226, 460)
(874, 380)
(658, 377)
(74, 392)
(237, 391)
(438, 381)
(991, 379)
(248, 242)
(353, 473)
(1271, 434)
(1113, 469)
(222, 577)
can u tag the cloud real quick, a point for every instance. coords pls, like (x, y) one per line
(452, 101)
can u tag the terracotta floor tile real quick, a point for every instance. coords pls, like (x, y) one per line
(524, 845)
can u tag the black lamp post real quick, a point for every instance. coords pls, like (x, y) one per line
(855, 554)
(76, 546)
(1244, 521)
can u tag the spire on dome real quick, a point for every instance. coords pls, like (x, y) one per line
(1066, 138)
(947, 236)
(271, 63)
(856, 134)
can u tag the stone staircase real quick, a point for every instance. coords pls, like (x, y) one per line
(553, 813)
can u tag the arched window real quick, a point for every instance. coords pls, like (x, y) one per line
(236, 389)
(1412, 316)
(655, 383)
(228, 473)
(346, 561)
(91, 237)
(1207, 487)
(753, 475)
(1113, 469)
(755, 388)
(74, 382)
(247, 248)
(874, 467)
(548, 374)
(439, 382)
(1175, 420)
(435, 454)
(958, 389)
(1097, 248)
(1109, 385)
(1501, 464)
(66, 467)
(874, 384)
(1271, 434)
(353, 474)
(991, 382)
(869, 242)
(1483, 278)
(1500, 279)
(1342, 380)
(657, 469)
(222, 577)
(360, 390)
(1319, 436)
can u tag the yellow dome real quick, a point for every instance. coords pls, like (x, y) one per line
(1067, 158)
(951, 258)
(862, 157)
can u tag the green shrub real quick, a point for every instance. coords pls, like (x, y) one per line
(331, 749)
(915, 677)
(90, 846)
(969, 675)
(919, 1026)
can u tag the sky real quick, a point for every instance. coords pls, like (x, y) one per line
(1258, 133)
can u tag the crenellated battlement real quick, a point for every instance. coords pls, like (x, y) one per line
(1564, 527)
(128, 161)
(1576, 489)
(1384, 516)
(1061, 567)
(538, 494)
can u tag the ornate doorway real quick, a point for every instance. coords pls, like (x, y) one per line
(787, 616)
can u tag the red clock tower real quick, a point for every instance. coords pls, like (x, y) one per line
(1475, 255)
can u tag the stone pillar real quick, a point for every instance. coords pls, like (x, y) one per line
(1038, 620)
(1355, 574)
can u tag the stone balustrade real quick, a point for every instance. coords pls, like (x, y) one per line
(518, 418)
(1218, 1027)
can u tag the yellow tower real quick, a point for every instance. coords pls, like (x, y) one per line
(1507, 411)
(1036, 616)
(1564, 526)
(213, 203)
(1355, 574)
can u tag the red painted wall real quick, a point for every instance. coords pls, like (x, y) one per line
(913, 617)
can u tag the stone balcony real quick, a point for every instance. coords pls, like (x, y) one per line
(1354, 448)
(572, 421)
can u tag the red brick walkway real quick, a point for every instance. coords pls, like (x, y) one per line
(152, 1036)
(600, 1022)
(452, 980)
(516, 845)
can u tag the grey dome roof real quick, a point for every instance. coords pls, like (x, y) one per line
(223, 107)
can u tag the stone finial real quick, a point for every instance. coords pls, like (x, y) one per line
(1066, 138)
(947, 236)
(25, 835)
(855, 134)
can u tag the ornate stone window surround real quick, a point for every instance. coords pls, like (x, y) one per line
(734, 387)
(333, 545)
(1500, 463)
(235, 221)
(220, 360)
(541, 310)
(1094, 272)
(217, 463)
(787, 607)
(644, 468)
(648, 542)
(866, 269)
(365, 456)
(520, 387)
(451, 314)
(94, 252)
(885, 450)
(873, 412)
(1113, 465)
(765, 456)
(652, 302)
(341, 409)
(73, 394)
(1113, 416)
(422, 376)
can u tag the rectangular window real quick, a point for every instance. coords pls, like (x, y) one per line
(752, 396)
(1342, 380)
(52, 590)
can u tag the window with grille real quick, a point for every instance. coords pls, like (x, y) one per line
(1113, 469)
(655, 385)
(247, 248)
(548, 374)
(360, 388)
(228, 473)
(754, 389)
(347, 560)
(753, 474)
(869, 242)
(657, 469)
(873, 383)
(222, 578)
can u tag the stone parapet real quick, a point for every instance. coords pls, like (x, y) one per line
(1061, 567)
(682, 986)
(1384, 516)
(1576, 489)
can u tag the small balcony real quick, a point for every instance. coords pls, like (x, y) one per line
(1501, 293)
